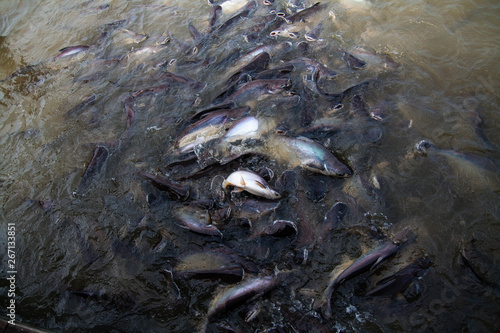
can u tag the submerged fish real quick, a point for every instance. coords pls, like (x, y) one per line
(365, 262)
(245, 290)
(95, 165)
(208, 265)
(196, 222)
(469, 171)
(308, 154)
(178, 191)
(252, 183)
(399, 281)
(70, 51)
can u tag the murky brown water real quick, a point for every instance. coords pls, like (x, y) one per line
(91, 256)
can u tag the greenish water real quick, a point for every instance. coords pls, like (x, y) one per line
(90, 257)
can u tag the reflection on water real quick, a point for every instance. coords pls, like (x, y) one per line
(403, 94)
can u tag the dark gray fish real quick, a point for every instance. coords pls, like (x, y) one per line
(253, 209)
(364, 263)
(97, 9)
(149, 90)
(86, 102)
(218, 31)
(113, 25)
(192, 220)
(279, 228)
(257, 64)
(228, 274)
(128, 105)
(280, 72)
(313, 34)
(352, 61)
(332, 218)
(203, 113)
(176, 191)
(309, 65)
(182, 80)
(95, 165)
(235, 86)
(300, 16)
(215, 13)
(359, 107)
(399, 281)
(257, 89)
(482, 265)
(197, 36)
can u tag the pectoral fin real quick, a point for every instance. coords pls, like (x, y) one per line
(261, 185)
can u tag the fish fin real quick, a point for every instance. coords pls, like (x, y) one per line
(386, 280)
(312, 165)
(303, 138)
(242, 181)
(260, 184)
(237, 190)
(225, 184)
(377, 262)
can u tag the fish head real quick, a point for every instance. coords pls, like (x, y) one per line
(337, 169)
(402, 236)
(329, 168)
(272, 194)
(422, 147)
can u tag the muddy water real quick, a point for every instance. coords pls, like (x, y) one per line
(90, 256)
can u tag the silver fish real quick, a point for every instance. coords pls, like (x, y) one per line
(252, 183)
(307, 154)
(245, 290)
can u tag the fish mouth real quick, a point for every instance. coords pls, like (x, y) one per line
(422, 147)
(343, 172)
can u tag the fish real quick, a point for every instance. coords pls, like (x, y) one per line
(208, 265)
(215, 13)
(469, 171)
(301, 15)
(229, 274)
(400, 280)
(332, 218)
(365, 262)
(210, 127)
(196, 222)
(128, 105)
(279, 228)
(125, 36)
(95, 165)
(352, 61)
(377, 60)
(246, 127)
(247, 289)
(257, 90)
(308, 154)
(176, 191)
(257, 64)
(252, 183)
(70, 51)
(86, 102)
